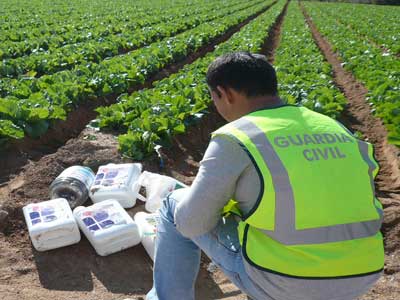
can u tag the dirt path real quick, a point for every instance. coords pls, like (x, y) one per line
(357, 117)
(274, 36)
(20, 152)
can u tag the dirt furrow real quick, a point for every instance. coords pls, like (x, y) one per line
(357, 116)
(274, 36)
(19, 152)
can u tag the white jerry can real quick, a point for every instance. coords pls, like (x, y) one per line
(147, 224)
(157, 188)
(107, 226)
(118, 182)
(51, 224)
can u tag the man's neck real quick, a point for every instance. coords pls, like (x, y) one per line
(264, 102)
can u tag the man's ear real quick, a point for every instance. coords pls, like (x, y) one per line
(217, 91)
(225, 94)
(220, 91)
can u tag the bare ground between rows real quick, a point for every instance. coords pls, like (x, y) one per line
(274, 36)
(19, 152)
(357, 117)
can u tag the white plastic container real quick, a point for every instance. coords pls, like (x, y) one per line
(51, 224)
(147, 224)
(119, 182)
(107, 226)
(157, 188)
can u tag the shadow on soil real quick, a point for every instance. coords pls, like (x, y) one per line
(129, 272)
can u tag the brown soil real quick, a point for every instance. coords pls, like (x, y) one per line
(20, 152)
(274, 35)
(358, 118)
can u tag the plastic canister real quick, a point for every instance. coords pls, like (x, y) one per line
(147, 224)
(107, 226)
(73, 184)
(51, 224)
(118, 182)
(157, 188)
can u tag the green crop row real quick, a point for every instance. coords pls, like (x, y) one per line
(380, 24)
(71, 55)
(21, 14)
(35, 34)
(44, 38)
(378, 71)
(28, 105)
(303, 74)
(151, 117)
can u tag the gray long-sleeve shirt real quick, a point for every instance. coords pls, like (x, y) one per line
(226, 172)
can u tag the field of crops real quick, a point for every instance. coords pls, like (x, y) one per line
(51, 64)
(135, 70)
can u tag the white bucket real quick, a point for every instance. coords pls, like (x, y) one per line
(147, 224)
(107, 226)
(119, 182)
(51, 224)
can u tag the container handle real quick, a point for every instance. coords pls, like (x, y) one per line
(141, 197)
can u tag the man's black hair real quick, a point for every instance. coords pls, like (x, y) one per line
(247, 73)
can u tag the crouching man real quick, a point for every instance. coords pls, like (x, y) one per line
(296, 188)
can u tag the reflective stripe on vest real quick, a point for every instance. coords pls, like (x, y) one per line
(285, 216)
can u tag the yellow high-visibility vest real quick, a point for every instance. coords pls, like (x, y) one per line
(316, 215)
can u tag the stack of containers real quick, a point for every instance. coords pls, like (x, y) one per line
(108, 227)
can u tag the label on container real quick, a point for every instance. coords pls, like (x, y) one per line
(179, 186)
(152, 220)
(102, 218)
(116, 175)
(42, 214)
(83, 174)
